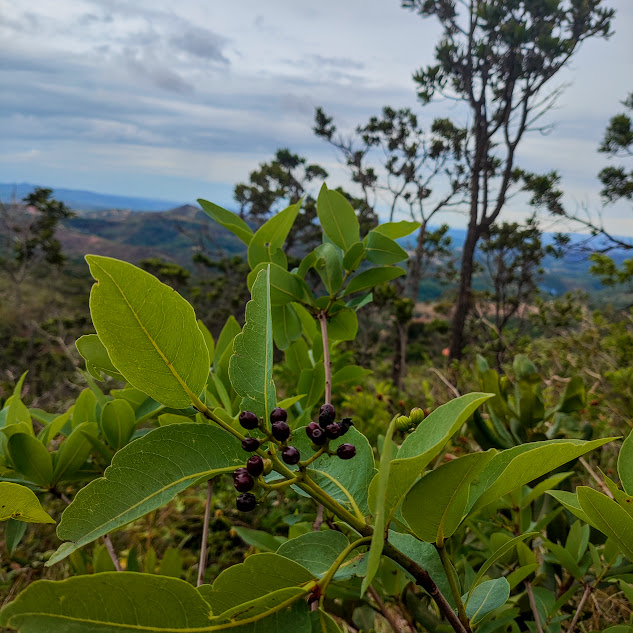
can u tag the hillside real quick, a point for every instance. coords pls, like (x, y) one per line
(171, 235)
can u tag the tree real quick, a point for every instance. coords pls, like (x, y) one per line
(398, 164)
(284, 180)
(29, 238)
(498, 58)
(512, 258)
(410, 170)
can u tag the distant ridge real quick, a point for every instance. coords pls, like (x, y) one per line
(80, 200)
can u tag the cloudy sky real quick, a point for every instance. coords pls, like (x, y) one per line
(179, 100)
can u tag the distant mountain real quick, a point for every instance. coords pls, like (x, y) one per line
(170, 235)
(79, 200)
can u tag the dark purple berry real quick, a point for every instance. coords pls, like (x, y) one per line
(239, 471)
(324, 420)
(346, 451)
(248, 420)
(281, 431)
(311, 427)
(243, 482)
(250, 444)
(246, 502)
(318, 436)
(346, 423)
(328, 409)
(333, 430)
(255, 465)
(290, 455)
(278, 415)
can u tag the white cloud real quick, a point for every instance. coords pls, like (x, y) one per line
(200, 92)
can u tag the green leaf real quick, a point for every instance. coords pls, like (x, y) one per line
(18, 502)
(569, 500)
(31, 458)
(330, 267)
(381, 510)
(284, 286)
(443, 493)
(160, 465)
(251, 366)
(171, 563)
(280, 610)
(85, 409)
(354, 257)
(338, 218)
(73, 453)
(499, 553)
(342, 479)
(322, 623)
(257, 576)
(149, 331)
(95, 354)
(396, 230)
(382, 250)
(349, 373)
(143, 602)
(317, 551)
(373, 277)
(13, 532)
(625, 464)
(343, 326)
(51, 431)
(520, 574)
(423, 445)
(425, 555)
(575, 397)
(286, 326)
(230, 330)
(609, 517)
(517, 466)
(487, 597)
(118, 422)
(208, 338)
(298, 359)
(260, 539)
(17, 411)
(266, 244)
(542, 487)
(228, 220)
(312, 383)
(565, 559)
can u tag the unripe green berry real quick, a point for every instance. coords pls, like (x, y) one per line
(268, 466)
(403, 423)
(416, 415)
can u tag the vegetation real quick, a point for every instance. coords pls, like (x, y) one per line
(272, 432)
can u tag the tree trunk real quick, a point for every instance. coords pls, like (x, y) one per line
(399, 367)
(462, 307)
(415, 269)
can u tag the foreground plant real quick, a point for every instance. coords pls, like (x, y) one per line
(404, 518)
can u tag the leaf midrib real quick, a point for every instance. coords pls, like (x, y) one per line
(169, 364)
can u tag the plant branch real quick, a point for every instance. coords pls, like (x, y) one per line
(112, 552)
(205, 533)
(595, 477)
(537, 619)
(425, 581)
(581, 604)
(454, 584)
(326, 357)
(385, 612)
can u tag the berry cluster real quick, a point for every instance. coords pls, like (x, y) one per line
(327, 429)
(320, 433)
